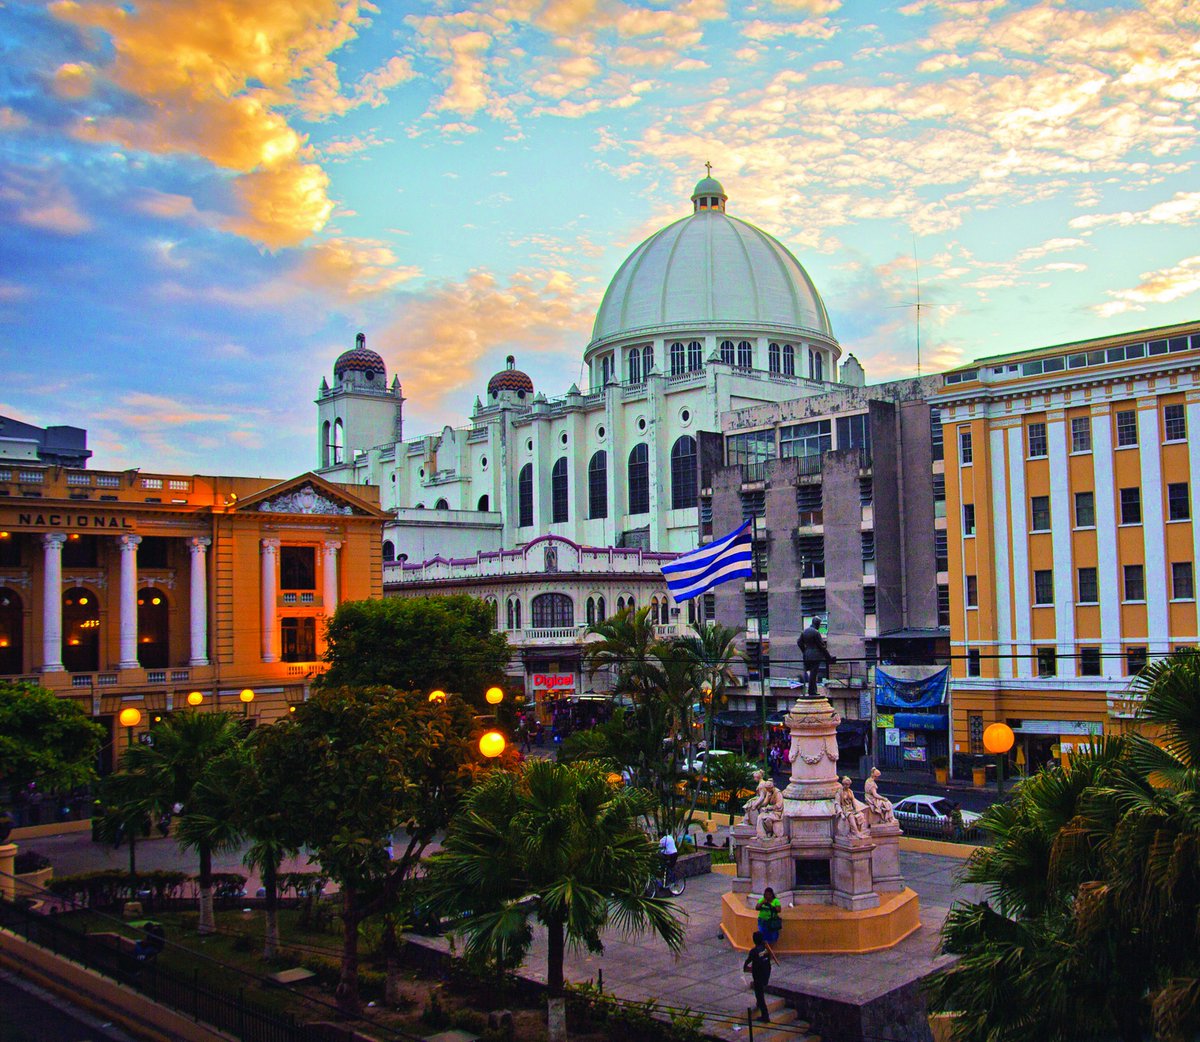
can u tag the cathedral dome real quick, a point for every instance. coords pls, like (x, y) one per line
(511, 379)
(709, 270)
(360, 359)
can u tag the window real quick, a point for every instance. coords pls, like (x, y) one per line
(601, 614)
(1037, 439)
(941, 553)
(973, 669)
(337, 444)
(154, 552)
(695, 356)
(745, 354)
(639, 480)
(943, 605)
(1089, 662)
(1085, 509)
(647, 361)
(966, 452)
(1088, 586)
(1131, 506)
(816, 365)
(936, 437)
(1182, 586)
(1043, 587)
(558, 492)
(326, 444)
(514, 614)
(1126, 428)
(635, 366)
(80, 630)
(298, 640)
(10, 555)
(975, 732)
(678, 359)
(773, 357)
(1135, 660)
(1178, 505)
(867, 539)
(750, 448)
(606, 371)
(683, 474)
(810, 549)
(868, 600)
(80, 551)
(552, 610)
(805, 439)
(1135, 582)
(727, 352)
(1175, 423)
(482, 504)
(598, 485)
(525, 496)
(12, 632)
(1081, 434)
(389, 550)
(1047, 662)
(939, 495)
(854, 432)
(866, 491)
(1039, 514)
(968, 519)
(789, 360)
(298, 569)
(972, 591)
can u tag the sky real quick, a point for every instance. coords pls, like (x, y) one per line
(203, 201)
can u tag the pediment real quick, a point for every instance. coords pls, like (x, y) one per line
(308, 495)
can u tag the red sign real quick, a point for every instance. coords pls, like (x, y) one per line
(549, 681)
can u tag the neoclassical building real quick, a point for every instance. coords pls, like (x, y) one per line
(707, 315)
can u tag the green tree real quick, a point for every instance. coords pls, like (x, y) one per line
(624, 648)
(730, 774)
(417, 644)
(45, 739)
(552, 843)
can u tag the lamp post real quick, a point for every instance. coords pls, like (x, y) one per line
(997, 740)
(492, 744)
(247, 696)
(130, 717)
(494, 696)
(195, 698)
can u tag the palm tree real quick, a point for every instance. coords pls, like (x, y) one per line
(189, 749)
(556, 844)
(625, 647)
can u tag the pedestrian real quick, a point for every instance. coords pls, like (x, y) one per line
(815, 652)
(523, 735)
(758, 965)
(770, 916)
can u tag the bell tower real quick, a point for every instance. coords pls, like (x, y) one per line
(358, 412)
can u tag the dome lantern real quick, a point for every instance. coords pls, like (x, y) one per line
(708, 193)
(361, 366)
(510, 381)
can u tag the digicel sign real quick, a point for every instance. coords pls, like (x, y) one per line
(549, 681)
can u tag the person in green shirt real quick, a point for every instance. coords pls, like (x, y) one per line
(770, 916)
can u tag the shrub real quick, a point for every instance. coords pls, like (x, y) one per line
(108, 888)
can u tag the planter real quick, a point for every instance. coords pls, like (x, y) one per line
(979, 777)
(32, 884)
(941, 775)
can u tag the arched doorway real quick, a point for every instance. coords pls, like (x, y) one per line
(12, 632)
(154, 646)
(81, 630)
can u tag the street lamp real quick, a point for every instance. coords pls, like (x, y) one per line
(997, 740)
(247, 696)
(130, 718)
(494, 696)
(492, 744)
(437, 696)
(194, 698)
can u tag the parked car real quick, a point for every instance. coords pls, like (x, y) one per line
(696, 766)
(932, 814)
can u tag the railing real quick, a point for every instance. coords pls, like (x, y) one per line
(755, 471)
(553, 632)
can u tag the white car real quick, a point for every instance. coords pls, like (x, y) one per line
(696, 766)
(931, 813)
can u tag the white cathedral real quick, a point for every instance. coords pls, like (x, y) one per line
(561, 510)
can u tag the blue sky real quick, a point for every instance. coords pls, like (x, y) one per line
(201, 203)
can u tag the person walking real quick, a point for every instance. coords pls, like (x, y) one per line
(770, 916)
(758, 965)
(815, 653)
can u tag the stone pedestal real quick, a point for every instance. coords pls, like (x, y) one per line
(885, 858)
(8, 885)
(852, 884)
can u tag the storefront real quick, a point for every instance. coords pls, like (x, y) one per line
(912, 720)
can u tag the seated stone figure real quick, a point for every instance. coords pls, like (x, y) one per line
(755, 802)
(881, 806)
(770, 814)
(849, 815)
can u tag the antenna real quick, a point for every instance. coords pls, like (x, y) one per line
(915, 303)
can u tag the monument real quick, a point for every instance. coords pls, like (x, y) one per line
(832, 860)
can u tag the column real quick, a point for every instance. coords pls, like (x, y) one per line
(1193, 424)
(1018, 516)
(52, 544)
(1157, 568)
(1000, 543)
(270, 586)
(198, 548)
(1061, 524)
(129, 632)
(1109, 560)
(329, 573)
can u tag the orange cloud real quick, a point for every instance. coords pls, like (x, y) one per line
(1157, 287)
(40, 201)
(353, 267)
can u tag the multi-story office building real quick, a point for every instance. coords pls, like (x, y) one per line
(52, 446)
(1072, 490)
(848, 490)
(129, 588)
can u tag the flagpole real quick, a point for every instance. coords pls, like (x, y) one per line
(762, 671)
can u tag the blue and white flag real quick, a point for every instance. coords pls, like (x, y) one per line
(729, 557)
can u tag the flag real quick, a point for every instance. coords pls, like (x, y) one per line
(710, 565)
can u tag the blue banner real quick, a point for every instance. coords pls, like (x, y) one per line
(896, 693)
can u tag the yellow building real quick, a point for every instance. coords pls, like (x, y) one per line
(1071, 491)
(128, 589)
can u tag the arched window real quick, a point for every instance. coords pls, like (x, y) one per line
(591, 611)
(441, 504)
(635, 366)
(773, 357)
(653, 616)
(525, 496)
(606, 370)
(482, 504)
(789, 360)
(81, 630)
(326, 444)
(683, 473)
(495, 606)
(12, 632)
(620, 604)
(647, 360)
(601, 614)
(745, 357)
(508, 616)
(598, 485)
(389, 550)
(727, 352)
(695, 356)
(337, 445)
(816, 365)
(558, 492)
(153, 616)
(678, 358)
(552, 610)
(631, 606)
(639, 480)
(691, 612)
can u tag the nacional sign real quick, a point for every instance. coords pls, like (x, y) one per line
(32, 520)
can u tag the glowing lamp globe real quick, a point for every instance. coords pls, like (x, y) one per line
(437, 696)
(195, 698)
(130, 717)
(494, 696)
(998, 738)
(247, 695)
(492, 744)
